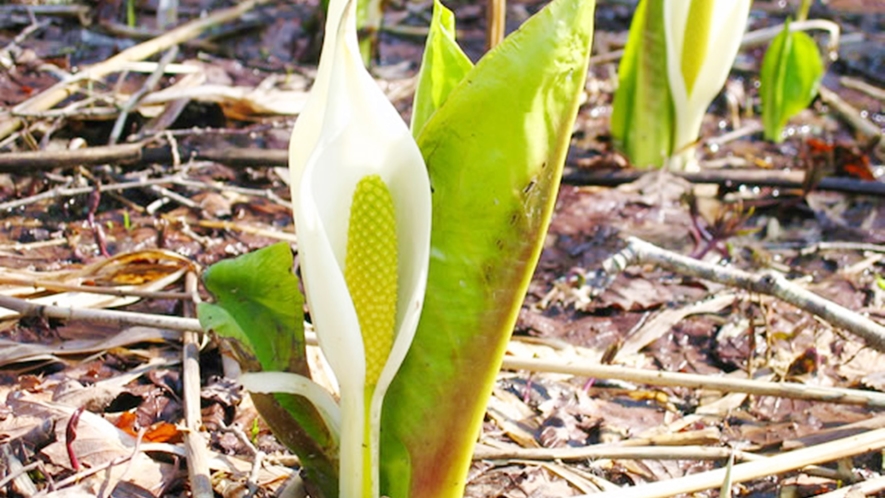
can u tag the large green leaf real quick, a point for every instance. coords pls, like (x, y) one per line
(495, 152)
(642, 112)
(443, 66)
(790, 76)
(259, 312)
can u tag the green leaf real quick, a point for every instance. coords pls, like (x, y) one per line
(642, 112)
(258, 301)
(790, 76)
(443, 66)
(259, 312)
(495, 152)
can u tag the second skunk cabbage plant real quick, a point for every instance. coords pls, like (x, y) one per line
(373, 235)
(791, 73)
(677, 58)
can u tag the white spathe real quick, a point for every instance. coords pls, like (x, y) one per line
(717, 51)
(349, 130)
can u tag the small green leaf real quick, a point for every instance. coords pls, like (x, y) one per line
(495, 151)
(790, 76)
(443, 67)
(642, 112)
(259, 312)
(257, 300)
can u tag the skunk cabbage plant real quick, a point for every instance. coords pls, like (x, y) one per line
(691, 43)
(373, 235)
(362, 208)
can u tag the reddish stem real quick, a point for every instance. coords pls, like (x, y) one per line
(70, 436)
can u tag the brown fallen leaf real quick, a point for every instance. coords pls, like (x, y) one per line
(144, 271)
(16, 352)
(97, 443)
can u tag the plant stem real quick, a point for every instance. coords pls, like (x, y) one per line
(369, 447)
(495, 22)
(352, 478)
(802, 14)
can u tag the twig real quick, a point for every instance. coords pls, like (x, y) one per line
(864, 488)
(258, 458)
(729, 178)
(150, 67)
(81, 12)
(863, 86)
(626, 451)
(751, 128)
(805, 250)
(764, 35)
(140, 34)
(235, 227)
(17, 473)
(612, 56)
(248, 157)
(58, 193)
(28, 246)
(13, 46)
(81, 109)
(165, 193)
(260, 193)
(870, 133)
(613, 452)
(252, 480)
(785, 462)
(58, 92)
(91, 289)
(194, 442)
(769, 283)
(24, 162)
(153, 183)
(788, 390)
(496, 14)
(137, 154)
(723, 384)
(112, 318)
(149, 85)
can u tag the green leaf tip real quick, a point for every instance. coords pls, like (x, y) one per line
(443, 66)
